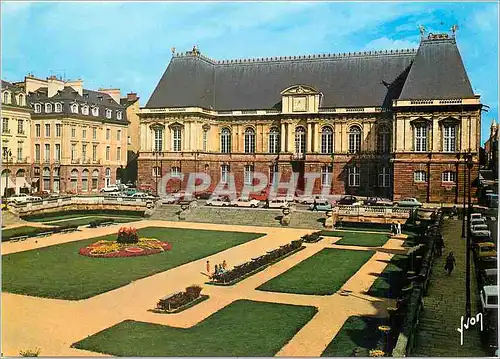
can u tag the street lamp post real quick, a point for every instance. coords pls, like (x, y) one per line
(470, 164)
(7, 153)
(465, 187)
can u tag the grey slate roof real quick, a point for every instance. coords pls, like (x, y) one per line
(352, 80)
(14, 91)
(68, 95)
(437, 73)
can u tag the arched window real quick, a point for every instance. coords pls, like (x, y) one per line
(300, 140)
(449, 177)
(354, 139)
(108, 113)
(74, 180)
(449, 138)
(21, 100)
(6, 97)
(177, 139)
(85, 180)
(107, 178)
(419, 176)
(384, 140)
(56, 183)
(249, 140)
(118, 115)
(38, 108)
(95, 111)
(56, 171)
(21, 173)
(225, 140)
(48, 107)
(420, 136)
(58, 107)
(274, 140)
(85, 110)
(74, 108)
(95, 179)
(204, 140)
(327, 140)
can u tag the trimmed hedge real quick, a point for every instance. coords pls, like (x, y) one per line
(99, 222)
(312, 238)
(37, 231)
(179, 299)
(35, 217)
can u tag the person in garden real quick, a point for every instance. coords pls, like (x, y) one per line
(208, 267)
(315, 205)
(216, 272)
(224, 265)
(450, 263)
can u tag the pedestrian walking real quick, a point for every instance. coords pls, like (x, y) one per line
(315, 205)
(450, 263)
(224, 265)
(208, 267)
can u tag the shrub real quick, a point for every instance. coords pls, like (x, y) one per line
(100, 221)
(30, 353)
(179, 299)
(193, 291)
(127, 235)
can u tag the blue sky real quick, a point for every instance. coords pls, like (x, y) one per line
(127, 44)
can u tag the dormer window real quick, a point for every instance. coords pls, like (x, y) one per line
(6, 97)
(118, 115)
(108, 113)
(99, 98)
(95, 111)
(85, 95)
(58, 107)
(74, 108)
(85, 110)
(21, 100)
(38, 108)
(48, 107)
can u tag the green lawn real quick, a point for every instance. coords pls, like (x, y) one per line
(19, 231)
(60, 272)
(358, 239)
(56, 216)
(79, 221)
(242, 329)
(322, 274)
(390, 281)
(357, 332)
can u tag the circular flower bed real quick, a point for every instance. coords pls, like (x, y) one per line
(111, 249)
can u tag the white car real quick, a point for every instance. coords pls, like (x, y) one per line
(476, 216)
(142, 195)
(310, 199)
(34, 199)
(20, 198)
(245, 202)
(489, 297)
(169, 199)
(480, 230)
(279, 202)
(218, 201)
(111, 188)
(477, 221)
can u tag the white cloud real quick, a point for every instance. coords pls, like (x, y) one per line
(385, 43)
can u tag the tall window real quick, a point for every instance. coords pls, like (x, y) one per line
(56, 173)
(6, 97)
(383, 177)
(84, 132)
(118, 115)
(95, 178)
(327, 140)
(354, 176)
(419, 176)
(95, 111)
(108, 149)
(383, 140)
(85, 180)
(108, 113)
(20, 127)
(326, 176)
(38, 108)
(46, 178)
(354, 139)
(58, 107)
(47, 153)
(156, 172)
(48, 107)
(176, 172)
(74, 108)
(274, 140)
(118, 153)
(74, 180)
(118, 135)
(108, 134)
(300, 140)
(58, 153)
(94, 133)
(249, 140)
(58, 129)
(20, 150)
(94, 153)
(84, 152)
(37, 153)
(248, 175)
(73, 152)
(38, 130)
(224, 173)
(176, 138)
(420, 132)
(73, 131)
(21, 100)
(85, 110)
(448, 176)
(158, 132)
(5, 125)
(204, 140)
(225, 140)
(47, 130)
(449, 138)
(273, 174)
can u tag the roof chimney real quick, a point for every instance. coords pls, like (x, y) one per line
(132, 97)
(114, 93)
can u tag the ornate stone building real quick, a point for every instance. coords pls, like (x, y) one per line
(16, 156)
(386, 123)
(78, 139)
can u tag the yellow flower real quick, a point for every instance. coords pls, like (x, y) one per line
(376, 353)
(384, 328)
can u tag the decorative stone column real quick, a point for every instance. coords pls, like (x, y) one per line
(283, 137)
(309, 138)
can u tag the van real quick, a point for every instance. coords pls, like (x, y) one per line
(280, 202)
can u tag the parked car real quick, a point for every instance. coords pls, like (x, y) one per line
(279, 202)
(310, 199)
(487, 263)
(19, 198)
(42, 194)
(114, 194)
(347, 200)
(476, 216)
(477, 221)
(261, 196)
(480, 230)
(219, 201)
(378, 201)
(130, 191)
(321, 206)
(143, 195)
(34, 199)
(169, 199)
(408, 202)
(245, 202)
(489, 298)
(485, 249)
(110, 188)
(488, 277)
(203, 195)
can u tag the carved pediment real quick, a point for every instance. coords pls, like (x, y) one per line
(155, 125)
(299, 90)
(421, 121)
(175, 124)
(450, 121)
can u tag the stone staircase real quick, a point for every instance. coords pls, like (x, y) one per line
(166, 213)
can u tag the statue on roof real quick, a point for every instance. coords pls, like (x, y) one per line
(195, 50)
(422, 29)
(173, 50)
(454, 29)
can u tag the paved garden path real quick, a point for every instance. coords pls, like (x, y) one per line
(53, 325)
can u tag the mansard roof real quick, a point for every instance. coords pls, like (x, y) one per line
(364, 79)
(15, 90)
